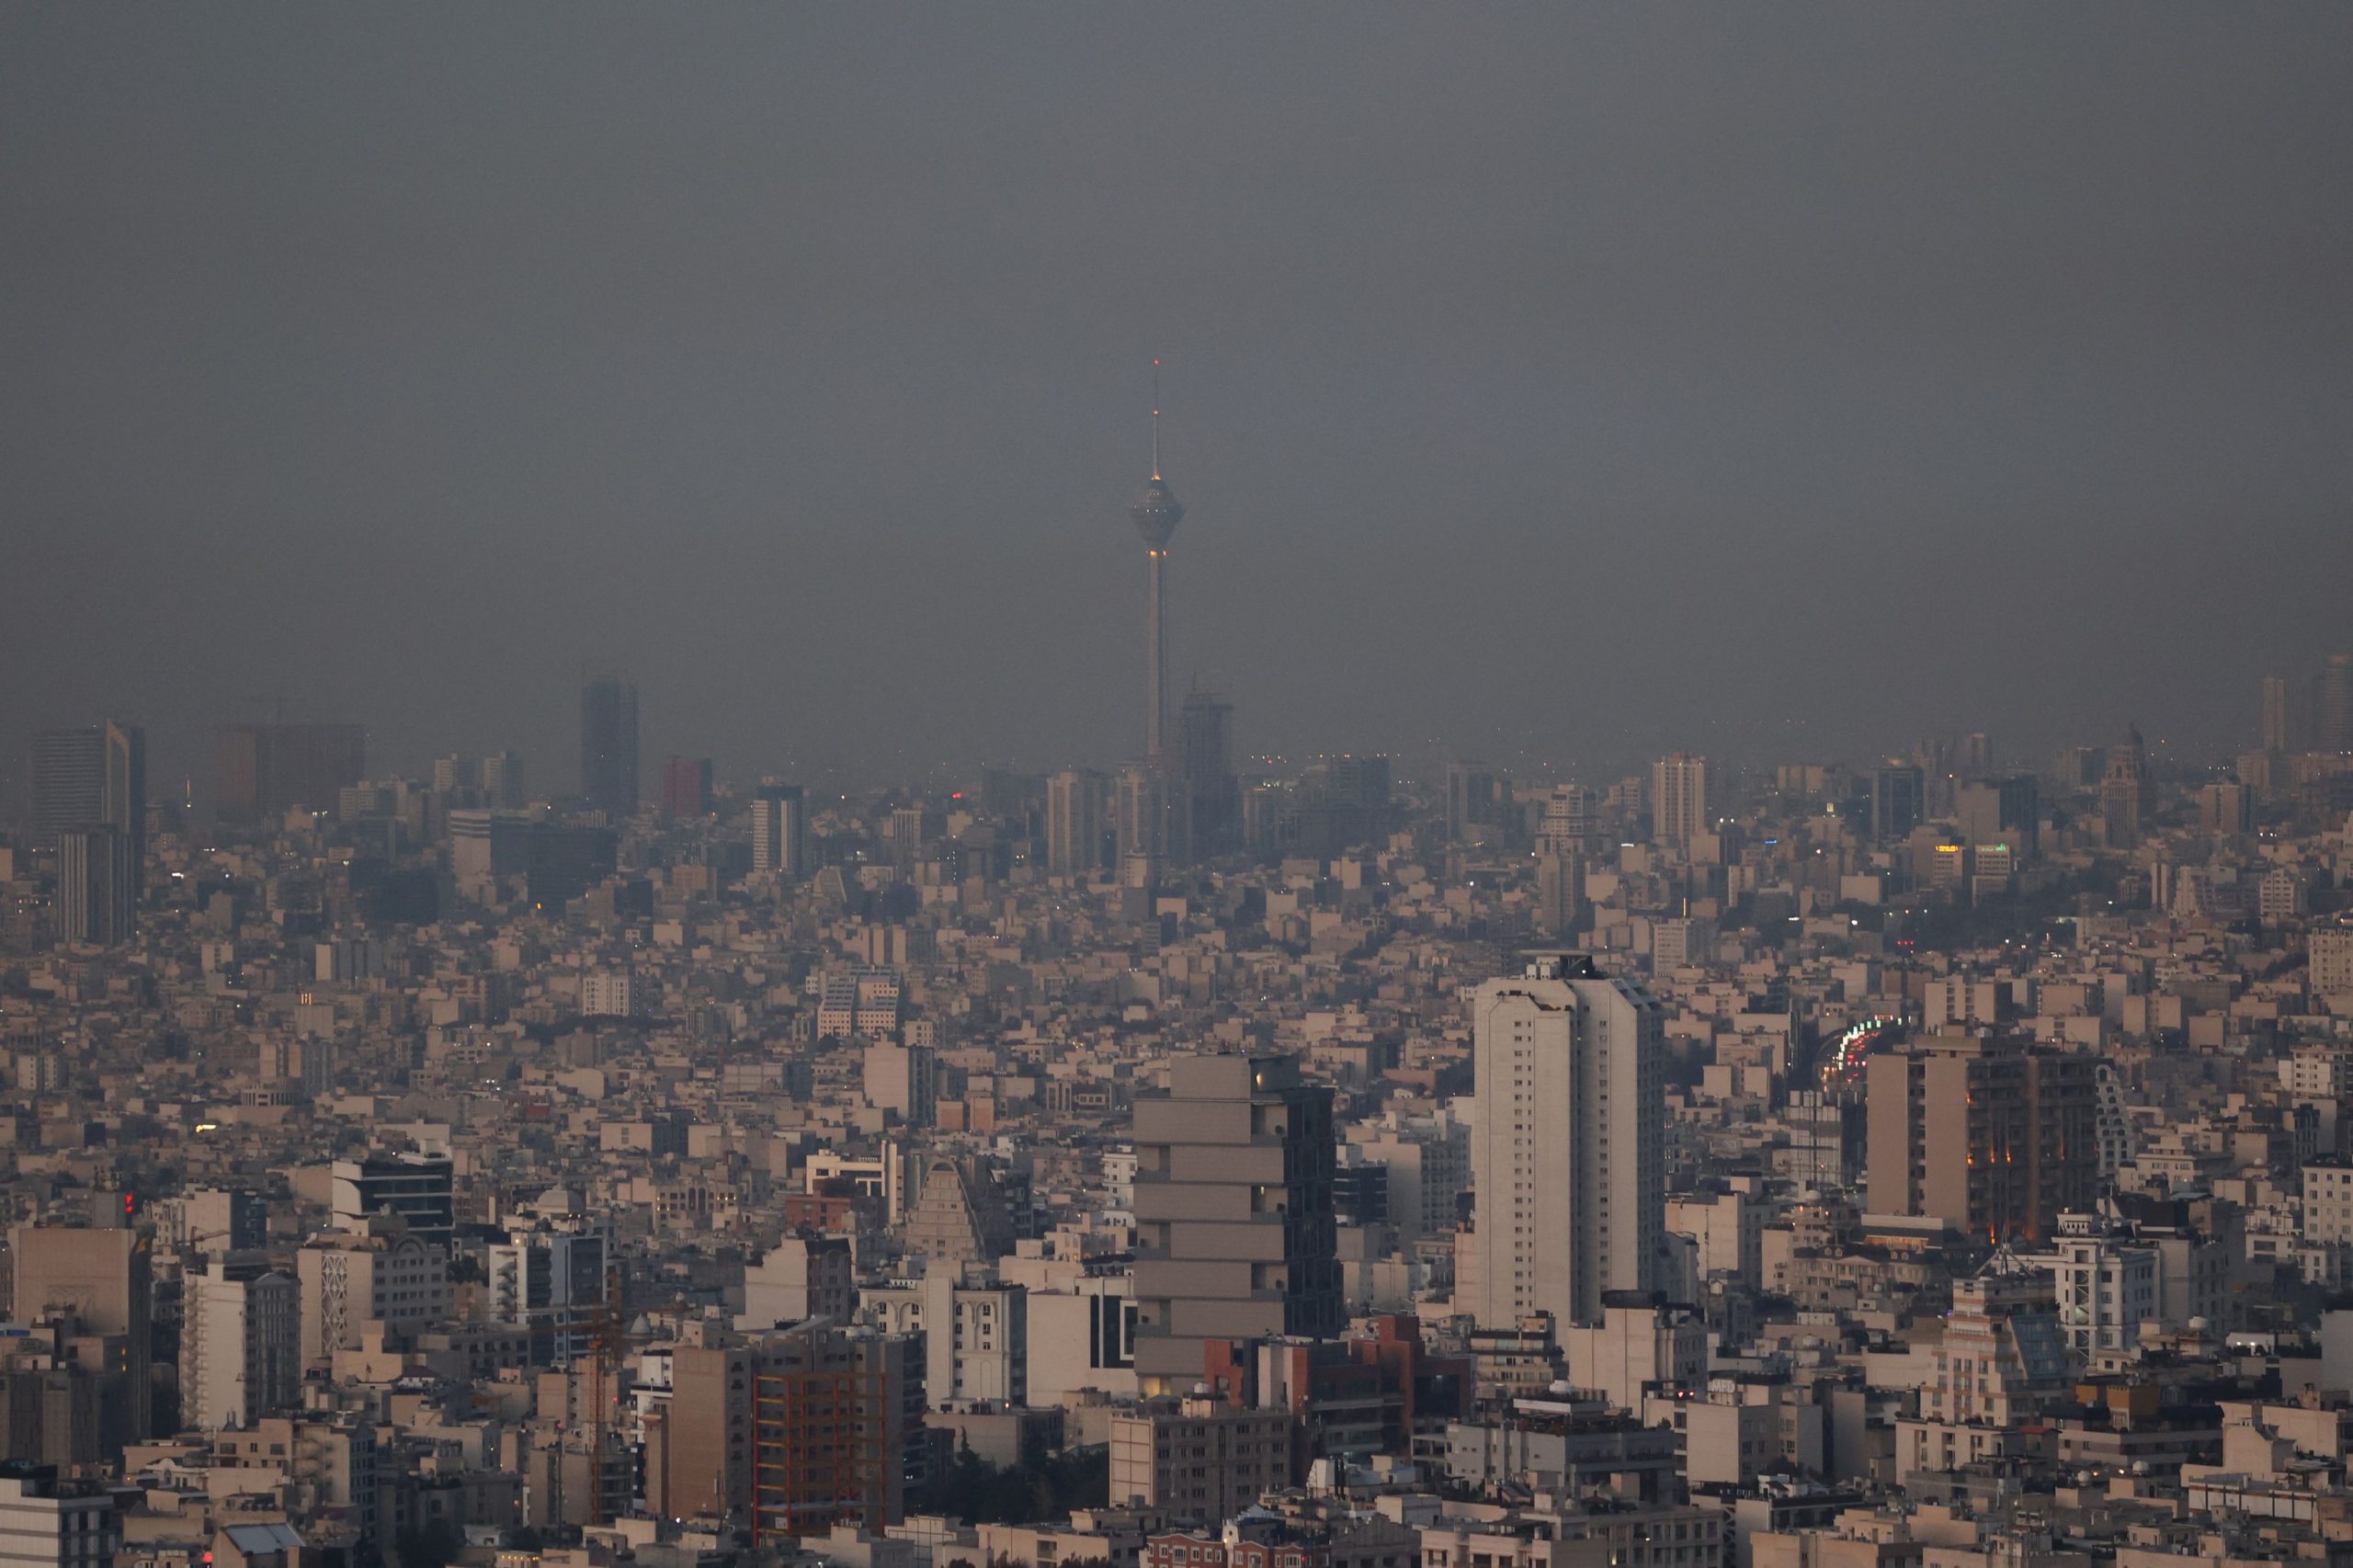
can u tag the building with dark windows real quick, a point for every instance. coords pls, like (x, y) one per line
(1235, 1221)
(97, 887)
(265, 770)
(608, 746)
(417, 1188)
(780, 830)
(1990, 1133)
(89, 775)
(1205, 763)
(1899, 801)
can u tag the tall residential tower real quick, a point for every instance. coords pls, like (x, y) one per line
(1678, 798)
(1569, 1152)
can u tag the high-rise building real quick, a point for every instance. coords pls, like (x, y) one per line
(69, 780)
(378, 1275)
(1156, 516)
(1427, 1159)
(1678, 798)
(799, 1430)
(97, 887)
(1899, 801)
(1976, 760)
(1075, 821)
(780, 830)
(1235, 1234)
(1205, 760)
(608, 745)
(1568, 1154)
(1474, 803)
(89, 775)
(211, 1219)
(2329, 971)
(1148, 813)
(904, 1079)
(1569, 828)
(2078, 769)
(2226, 807)
(502, 781)
(686, 787)
(124, 806)
(2108, 1285)
(1558, 881)
(488, 845)
(549, 1280)
(563, 860)
(2277, 732)
(102, 1281)
(975, 1333)
(2126, 791)
(241, 1327)
(804, 1276)
(416, 1187)
(611, 993)
(1342, 803)
(2333, 711)
(265, 770)
(2001, 811)
(1989, 1133)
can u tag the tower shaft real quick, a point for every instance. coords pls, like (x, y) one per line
(1155, 637)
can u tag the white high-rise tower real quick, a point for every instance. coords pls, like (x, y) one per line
(1678, 798)
(1569, 1154)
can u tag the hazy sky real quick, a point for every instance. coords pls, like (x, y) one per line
(1777, 380)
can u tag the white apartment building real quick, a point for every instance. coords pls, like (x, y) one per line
(2107, 1286)
(240, 1338)
(1678, 798)
(1569, 1150)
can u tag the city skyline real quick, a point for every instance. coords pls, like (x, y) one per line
(2294, 709)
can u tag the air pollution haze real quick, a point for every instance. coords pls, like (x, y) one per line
(1540, 383)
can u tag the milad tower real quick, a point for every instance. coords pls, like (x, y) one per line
(1156, 516)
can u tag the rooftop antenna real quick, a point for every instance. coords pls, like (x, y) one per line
(1155, 419)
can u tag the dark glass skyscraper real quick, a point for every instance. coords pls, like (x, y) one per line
(1899, 801)
(92, 774)
(1205, 756)
(608, 745)
(69, 780)
(98, 886)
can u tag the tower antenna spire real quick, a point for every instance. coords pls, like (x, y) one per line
(1155, 419)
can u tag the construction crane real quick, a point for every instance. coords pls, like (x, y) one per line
(605, 1348)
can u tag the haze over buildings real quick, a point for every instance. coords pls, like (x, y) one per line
(708, 351)
(1712, 929)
